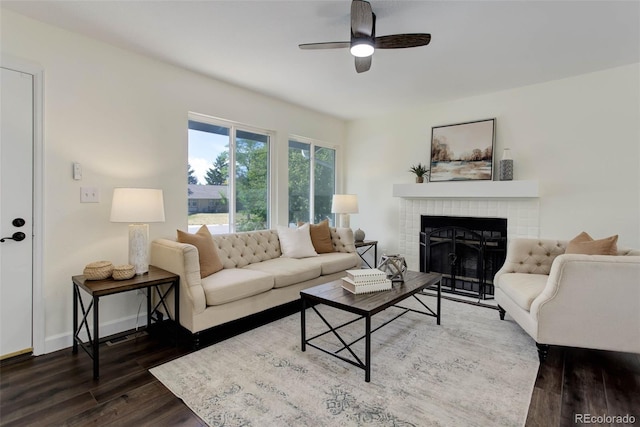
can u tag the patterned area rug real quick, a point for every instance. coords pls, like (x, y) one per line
(472, 370)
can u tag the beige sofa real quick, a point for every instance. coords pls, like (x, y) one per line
(255, 276)
(589, 301)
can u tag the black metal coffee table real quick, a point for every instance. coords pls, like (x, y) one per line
(366, 305)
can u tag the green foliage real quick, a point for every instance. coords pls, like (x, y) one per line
(191, 178)
(300, 182)
(325, 182)
(419, 169)
(219, 173)
(252, 184)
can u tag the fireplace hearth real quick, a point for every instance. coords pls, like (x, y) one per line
(467, 251)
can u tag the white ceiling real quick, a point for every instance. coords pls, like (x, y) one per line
(477, 46)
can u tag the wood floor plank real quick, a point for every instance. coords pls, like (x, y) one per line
(623, 394)
(550, 373)
(108, 390)
(583, 388)
(162, 406)
(546, 398)
(54, 414)
(146, 399)
(179, 415)
(544, 409)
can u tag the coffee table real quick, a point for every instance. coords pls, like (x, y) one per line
(366, 305)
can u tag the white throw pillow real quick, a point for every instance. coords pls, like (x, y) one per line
(296, 242)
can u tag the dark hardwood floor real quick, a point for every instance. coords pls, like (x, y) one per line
(58, 389)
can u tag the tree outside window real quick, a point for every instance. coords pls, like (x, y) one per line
(228, 177)
(312, 171)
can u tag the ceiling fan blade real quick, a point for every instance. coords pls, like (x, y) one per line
(363, 64)
(399, 41)
(326, 45)
(361, 18)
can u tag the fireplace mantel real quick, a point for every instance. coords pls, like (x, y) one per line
(467, 190)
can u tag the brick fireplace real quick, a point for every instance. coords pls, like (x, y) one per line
(517, 201)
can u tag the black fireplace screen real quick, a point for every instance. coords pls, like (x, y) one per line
(467, 251)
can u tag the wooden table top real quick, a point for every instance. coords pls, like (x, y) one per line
(334, 295)
(109, 286)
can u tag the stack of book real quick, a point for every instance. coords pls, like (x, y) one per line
(365, 281)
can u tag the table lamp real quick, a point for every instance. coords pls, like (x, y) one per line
(138, 206)
(344, 204)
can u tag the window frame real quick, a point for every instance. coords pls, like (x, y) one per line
(313, 143)
(234, 127)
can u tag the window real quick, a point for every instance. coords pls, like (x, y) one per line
(312, 181)
(228, 176)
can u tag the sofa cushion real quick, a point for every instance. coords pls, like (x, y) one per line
(207, 253)
(231, 284)
(336, 261)
(287, 271)
(522, 288)
(585, 245)
(296, 242)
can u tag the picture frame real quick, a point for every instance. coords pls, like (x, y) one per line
(463, 151)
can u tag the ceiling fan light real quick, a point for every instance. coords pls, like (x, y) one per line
(362, 48)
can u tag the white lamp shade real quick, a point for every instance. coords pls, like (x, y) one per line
(344, 203)
(137, 205)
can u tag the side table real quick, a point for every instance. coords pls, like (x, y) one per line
(99, 288)
(368, 244)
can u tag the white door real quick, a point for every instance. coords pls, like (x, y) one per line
(16, 213)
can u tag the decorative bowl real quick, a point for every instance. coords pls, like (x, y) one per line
(124, 272)
(98, 270)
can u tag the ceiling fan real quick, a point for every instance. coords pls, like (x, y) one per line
(363, 37)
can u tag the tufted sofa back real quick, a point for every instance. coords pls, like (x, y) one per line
(237, 250)
(240, 249)
(533, 256)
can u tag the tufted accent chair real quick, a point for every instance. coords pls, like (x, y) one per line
(589, 301)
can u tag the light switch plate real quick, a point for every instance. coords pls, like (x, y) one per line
(77, 171)
(89, 195)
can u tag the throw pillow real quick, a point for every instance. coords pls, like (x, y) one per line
(320, 236)
(207, 252)
(584, 244)
(296, 242)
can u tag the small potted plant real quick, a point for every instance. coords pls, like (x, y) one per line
(420, 171)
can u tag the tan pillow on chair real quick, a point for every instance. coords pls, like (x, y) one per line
(207, 253)
(584, 244)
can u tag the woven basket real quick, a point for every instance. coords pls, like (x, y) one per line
(124, 272)
(98, 270)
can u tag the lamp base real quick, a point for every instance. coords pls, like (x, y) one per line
(139, 247)
(344, 220)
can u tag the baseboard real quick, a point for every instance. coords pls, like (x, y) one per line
(65, 340)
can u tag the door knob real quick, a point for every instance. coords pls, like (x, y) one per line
(17, 236)
(18, 222)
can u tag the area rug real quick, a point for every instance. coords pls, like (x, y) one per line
(472, 370)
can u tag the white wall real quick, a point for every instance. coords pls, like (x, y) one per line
(124, 118)
(579, 137)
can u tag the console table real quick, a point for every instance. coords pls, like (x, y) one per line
(99, 288)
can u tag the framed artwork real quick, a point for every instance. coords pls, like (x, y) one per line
(463, 151)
